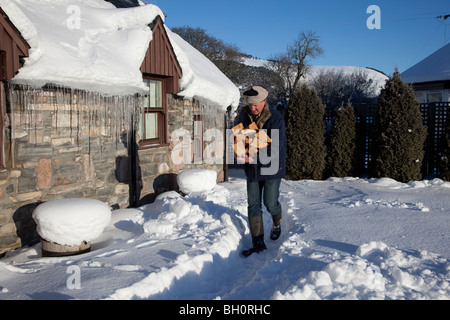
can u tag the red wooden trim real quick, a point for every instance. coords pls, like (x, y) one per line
(160, 58)
(14, 33)
(13, 46)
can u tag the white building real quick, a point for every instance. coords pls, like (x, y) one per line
(430, 78)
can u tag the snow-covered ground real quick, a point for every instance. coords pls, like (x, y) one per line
(343, 238)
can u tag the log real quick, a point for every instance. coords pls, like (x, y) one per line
(249, 141)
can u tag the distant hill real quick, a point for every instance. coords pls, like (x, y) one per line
(334, 84)
(377, 76)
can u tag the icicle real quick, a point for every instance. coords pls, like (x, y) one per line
(108, 117)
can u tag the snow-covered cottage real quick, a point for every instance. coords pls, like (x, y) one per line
(430, 78)
(99, 99)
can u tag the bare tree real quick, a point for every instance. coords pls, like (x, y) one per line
(335, 87)
(283, 67)
(211, 47)
(293, 64)
(214, 49)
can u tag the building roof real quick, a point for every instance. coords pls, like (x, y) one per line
(435, 67)
(92, 45)
(124, 3)
(83, 44)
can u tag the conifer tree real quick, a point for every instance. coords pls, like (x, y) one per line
(399, 135)
(305, 130)
(342, 155)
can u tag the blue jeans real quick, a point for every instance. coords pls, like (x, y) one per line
(271, 188)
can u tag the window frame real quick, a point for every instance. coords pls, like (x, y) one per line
(2, 141)
(2, 107)
(2, 65)
(161, 140)
(434, 93)
(197, 146)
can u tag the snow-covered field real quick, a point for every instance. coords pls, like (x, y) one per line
(343, 238)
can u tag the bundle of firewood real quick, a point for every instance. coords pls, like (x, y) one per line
(247, 141)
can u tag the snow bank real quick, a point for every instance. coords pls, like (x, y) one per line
(375, 271)
(71, 221)
(174, 217)
(196, 180)
(173, 210)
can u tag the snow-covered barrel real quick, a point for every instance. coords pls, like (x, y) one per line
(68, 226)
(196, 180)
(52, 249)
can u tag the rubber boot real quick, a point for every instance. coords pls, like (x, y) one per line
(257, 232)
(258, 246)
(256, 226)
(276, 228)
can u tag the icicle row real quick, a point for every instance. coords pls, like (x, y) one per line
(79, 110)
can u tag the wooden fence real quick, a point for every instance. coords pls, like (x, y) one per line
(434, 119)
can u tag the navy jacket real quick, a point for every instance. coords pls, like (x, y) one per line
(271, 161)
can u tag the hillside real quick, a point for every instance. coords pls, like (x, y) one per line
(378, 77)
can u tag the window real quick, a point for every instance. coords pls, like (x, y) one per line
(1, 124)
(435, 97)
(421, 97)
(152, 126)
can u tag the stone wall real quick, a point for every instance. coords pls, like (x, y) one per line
(61, 144)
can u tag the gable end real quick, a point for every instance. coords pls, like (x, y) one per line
(12, 48)
(160, 59)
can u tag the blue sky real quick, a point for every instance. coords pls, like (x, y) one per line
(409, 30)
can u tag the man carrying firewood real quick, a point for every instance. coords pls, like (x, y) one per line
(263, 152)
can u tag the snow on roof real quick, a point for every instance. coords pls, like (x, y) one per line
(92, 45)
(435, 67)
(201, 78)
(125, 3)
(83, 44)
